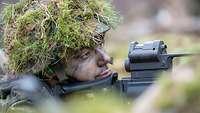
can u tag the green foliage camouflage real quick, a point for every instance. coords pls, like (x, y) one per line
(40, 32)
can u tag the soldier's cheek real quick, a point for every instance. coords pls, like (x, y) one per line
(87, 70)
(85, 74)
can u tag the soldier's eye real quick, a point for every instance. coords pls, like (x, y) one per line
(85, 55)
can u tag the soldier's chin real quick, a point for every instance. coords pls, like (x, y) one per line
(104, 74)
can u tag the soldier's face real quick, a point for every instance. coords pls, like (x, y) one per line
(89, 64)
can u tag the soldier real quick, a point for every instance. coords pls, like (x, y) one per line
(57, 41)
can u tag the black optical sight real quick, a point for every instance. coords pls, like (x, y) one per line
(145, 62)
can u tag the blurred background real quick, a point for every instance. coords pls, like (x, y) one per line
(177, 22)
(144, 17)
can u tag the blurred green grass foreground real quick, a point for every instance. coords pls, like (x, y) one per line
(95, 102)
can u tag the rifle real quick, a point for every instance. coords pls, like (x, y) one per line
(144, 63)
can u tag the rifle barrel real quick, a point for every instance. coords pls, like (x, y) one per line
(172, 55)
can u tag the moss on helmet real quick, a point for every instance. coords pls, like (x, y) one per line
(38, 33)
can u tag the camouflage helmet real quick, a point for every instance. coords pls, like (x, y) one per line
(41, 32)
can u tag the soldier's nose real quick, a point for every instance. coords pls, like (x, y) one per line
(103, 58)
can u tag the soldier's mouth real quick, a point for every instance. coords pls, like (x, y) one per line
(104, 74)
